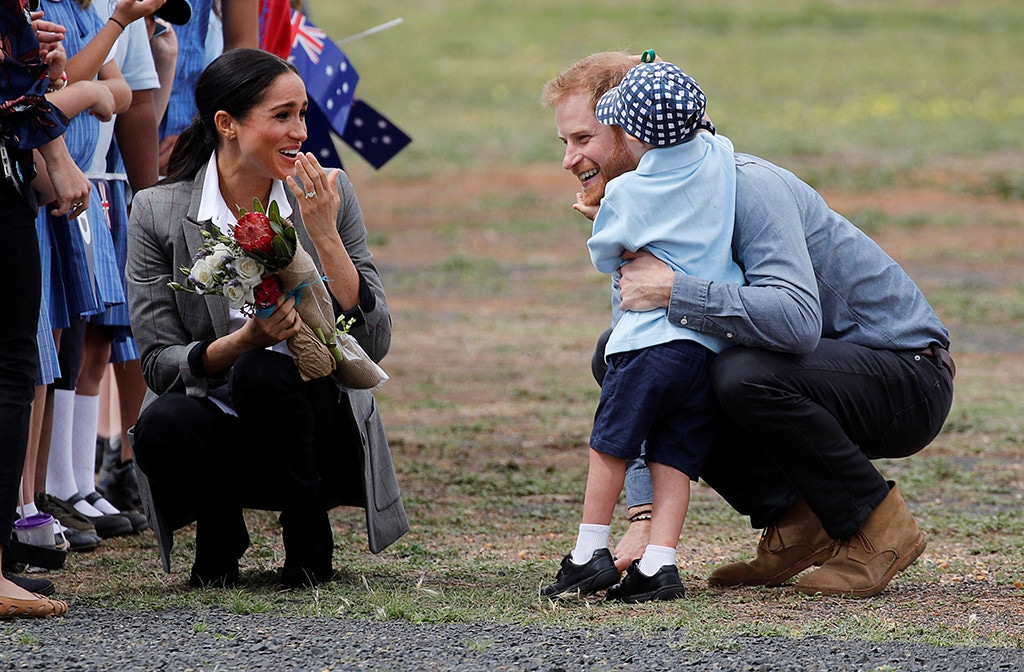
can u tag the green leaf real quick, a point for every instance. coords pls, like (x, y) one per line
(281, 250)
(274, 212)
(258, 207)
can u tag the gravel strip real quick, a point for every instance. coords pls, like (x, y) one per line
(214, 639)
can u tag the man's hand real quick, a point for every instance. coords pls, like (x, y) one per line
(634, 541)
(646, 282)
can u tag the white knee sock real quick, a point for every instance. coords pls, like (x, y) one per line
(60, 475)
(83, 450)
(60, 479)
(83, 443)
(655, 557)
(590, 539)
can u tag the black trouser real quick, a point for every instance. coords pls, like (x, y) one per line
(19, 354)
(808, 426)
(205, 464)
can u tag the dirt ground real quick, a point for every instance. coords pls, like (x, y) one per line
(475, 372)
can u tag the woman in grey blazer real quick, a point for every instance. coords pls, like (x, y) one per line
(228, 422)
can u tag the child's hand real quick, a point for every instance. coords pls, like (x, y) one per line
(127, 11)
(103, 104)
(589, 211)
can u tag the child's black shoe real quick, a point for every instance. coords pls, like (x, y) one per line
(638, 587)
(596, 574)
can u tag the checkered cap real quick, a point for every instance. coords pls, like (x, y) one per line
(655, 102)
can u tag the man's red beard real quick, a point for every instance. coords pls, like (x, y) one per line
(620, 161)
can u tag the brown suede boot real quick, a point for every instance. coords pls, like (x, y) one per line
(789, 546)
(887, 542)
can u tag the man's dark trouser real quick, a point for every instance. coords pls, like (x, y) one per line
(807, 426)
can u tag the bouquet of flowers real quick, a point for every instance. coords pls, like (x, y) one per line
(264, 260)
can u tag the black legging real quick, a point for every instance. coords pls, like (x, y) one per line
(19, 364)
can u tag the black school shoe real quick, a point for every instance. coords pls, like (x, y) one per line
(596, 574)
(638, 587)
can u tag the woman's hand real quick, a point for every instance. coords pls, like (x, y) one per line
(320, 202)
(282, 324)
(257, 333)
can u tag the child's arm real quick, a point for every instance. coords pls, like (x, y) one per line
(86, 63)
(589, 211)
(610, 238)
(111, 77)
(78, 97)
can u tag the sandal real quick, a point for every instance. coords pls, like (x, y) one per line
(41, 607)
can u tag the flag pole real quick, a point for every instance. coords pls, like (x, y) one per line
(371, 31)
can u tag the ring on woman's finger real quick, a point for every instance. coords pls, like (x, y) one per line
(76, 205)
(310, 194)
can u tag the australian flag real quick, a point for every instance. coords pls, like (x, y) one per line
(331, 83)
(370, 134)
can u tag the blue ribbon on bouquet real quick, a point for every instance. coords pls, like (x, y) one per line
(263, 313)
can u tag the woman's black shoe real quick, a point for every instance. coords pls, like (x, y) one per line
(596, 574)
(43, 587)
(221, 540)
(637, 587)
(308, 547)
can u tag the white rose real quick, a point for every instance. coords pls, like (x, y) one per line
(202, 276)
(249, 271)
(238, 294)
(219, 256)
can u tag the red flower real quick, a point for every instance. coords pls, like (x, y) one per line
(267, 292)
(253, 233)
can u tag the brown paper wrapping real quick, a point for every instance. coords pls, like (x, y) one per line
(312, 357)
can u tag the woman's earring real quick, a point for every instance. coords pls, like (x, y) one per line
(231, 136)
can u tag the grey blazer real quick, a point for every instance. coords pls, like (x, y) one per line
(163, 236)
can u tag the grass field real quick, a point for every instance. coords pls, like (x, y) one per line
(889, 85)
(907, 115)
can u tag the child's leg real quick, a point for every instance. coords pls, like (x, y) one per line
(605, 480)
(668, 513)
(671, 500)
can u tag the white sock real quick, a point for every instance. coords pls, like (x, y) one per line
(591, 538)
(83, 443)
(103, 506)
(87, 509)
(26, 510)
(656, 557)
(60, 478)
(83, 451)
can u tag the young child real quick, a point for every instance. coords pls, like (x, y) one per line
(679, 204)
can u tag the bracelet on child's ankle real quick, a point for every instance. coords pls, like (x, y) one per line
(640, 515)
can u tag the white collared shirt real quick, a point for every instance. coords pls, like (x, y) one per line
(213, 207)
